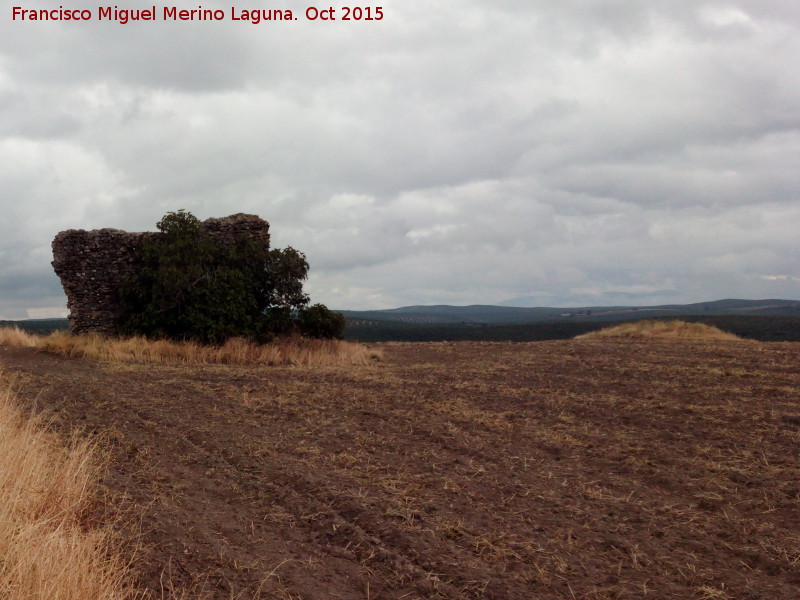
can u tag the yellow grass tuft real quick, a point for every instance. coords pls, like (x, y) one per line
(14, 336)
(663, 330)
(46, 550)
(289, 351)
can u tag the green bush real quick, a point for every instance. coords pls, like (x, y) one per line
(320, 322)
(188, 287)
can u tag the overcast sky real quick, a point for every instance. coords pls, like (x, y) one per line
(458, 151)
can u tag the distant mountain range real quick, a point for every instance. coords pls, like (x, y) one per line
(495, 315)
(759, 319)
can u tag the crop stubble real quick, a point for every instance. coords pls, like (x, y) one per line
(578, 469)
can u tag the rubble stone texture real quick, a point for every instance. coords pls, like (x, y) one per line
(92, 264)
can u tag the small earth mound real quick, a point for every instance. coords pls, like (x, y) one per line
(662, 329)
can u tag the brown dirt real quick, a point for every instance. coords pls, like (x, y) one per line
(579, 469)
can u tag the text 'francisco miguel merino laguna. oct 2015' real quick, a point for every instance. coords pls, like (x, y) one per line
(124, 16)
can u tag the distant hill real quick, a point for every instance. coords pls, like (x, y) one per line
(754, 327)
(488, 314)
(765, 320)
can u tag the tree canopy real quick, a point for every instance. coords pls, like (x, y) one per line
(189, 286)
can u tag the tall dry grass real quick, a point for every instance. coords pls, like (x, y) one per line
(14, 336)
(662, 329)
(47, 552)
(289, 351)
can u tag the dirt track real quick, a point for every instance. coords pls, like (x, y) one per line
(610, 469)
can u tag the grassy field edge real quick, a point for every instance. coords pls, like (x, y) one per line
(285, 351)
(49, 549)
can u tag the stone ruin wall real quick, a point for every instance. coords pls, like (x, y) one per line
(92, 264)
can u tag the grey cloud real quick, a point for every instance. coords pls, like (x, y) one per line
(194, 57)
(27, 117)
(455, 152)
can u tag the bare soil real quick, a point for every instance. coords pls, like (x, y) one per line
(577, 469)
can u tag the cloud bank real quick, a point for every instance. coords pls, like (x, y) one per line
(570, 153)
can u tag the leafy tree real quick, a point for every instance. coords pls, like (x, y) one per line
(189, 287)
(287, 269)
(319, 321)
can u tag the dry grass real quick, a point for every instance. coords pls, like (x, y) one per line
(46, 551)
(290, 351)
(622, 468)
(14, 336)
(662, 329)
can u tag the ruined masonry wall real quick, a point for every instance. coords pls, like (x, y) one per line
(92, 264)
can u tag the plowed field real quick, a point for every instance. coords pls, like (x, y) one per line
(578, 469)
